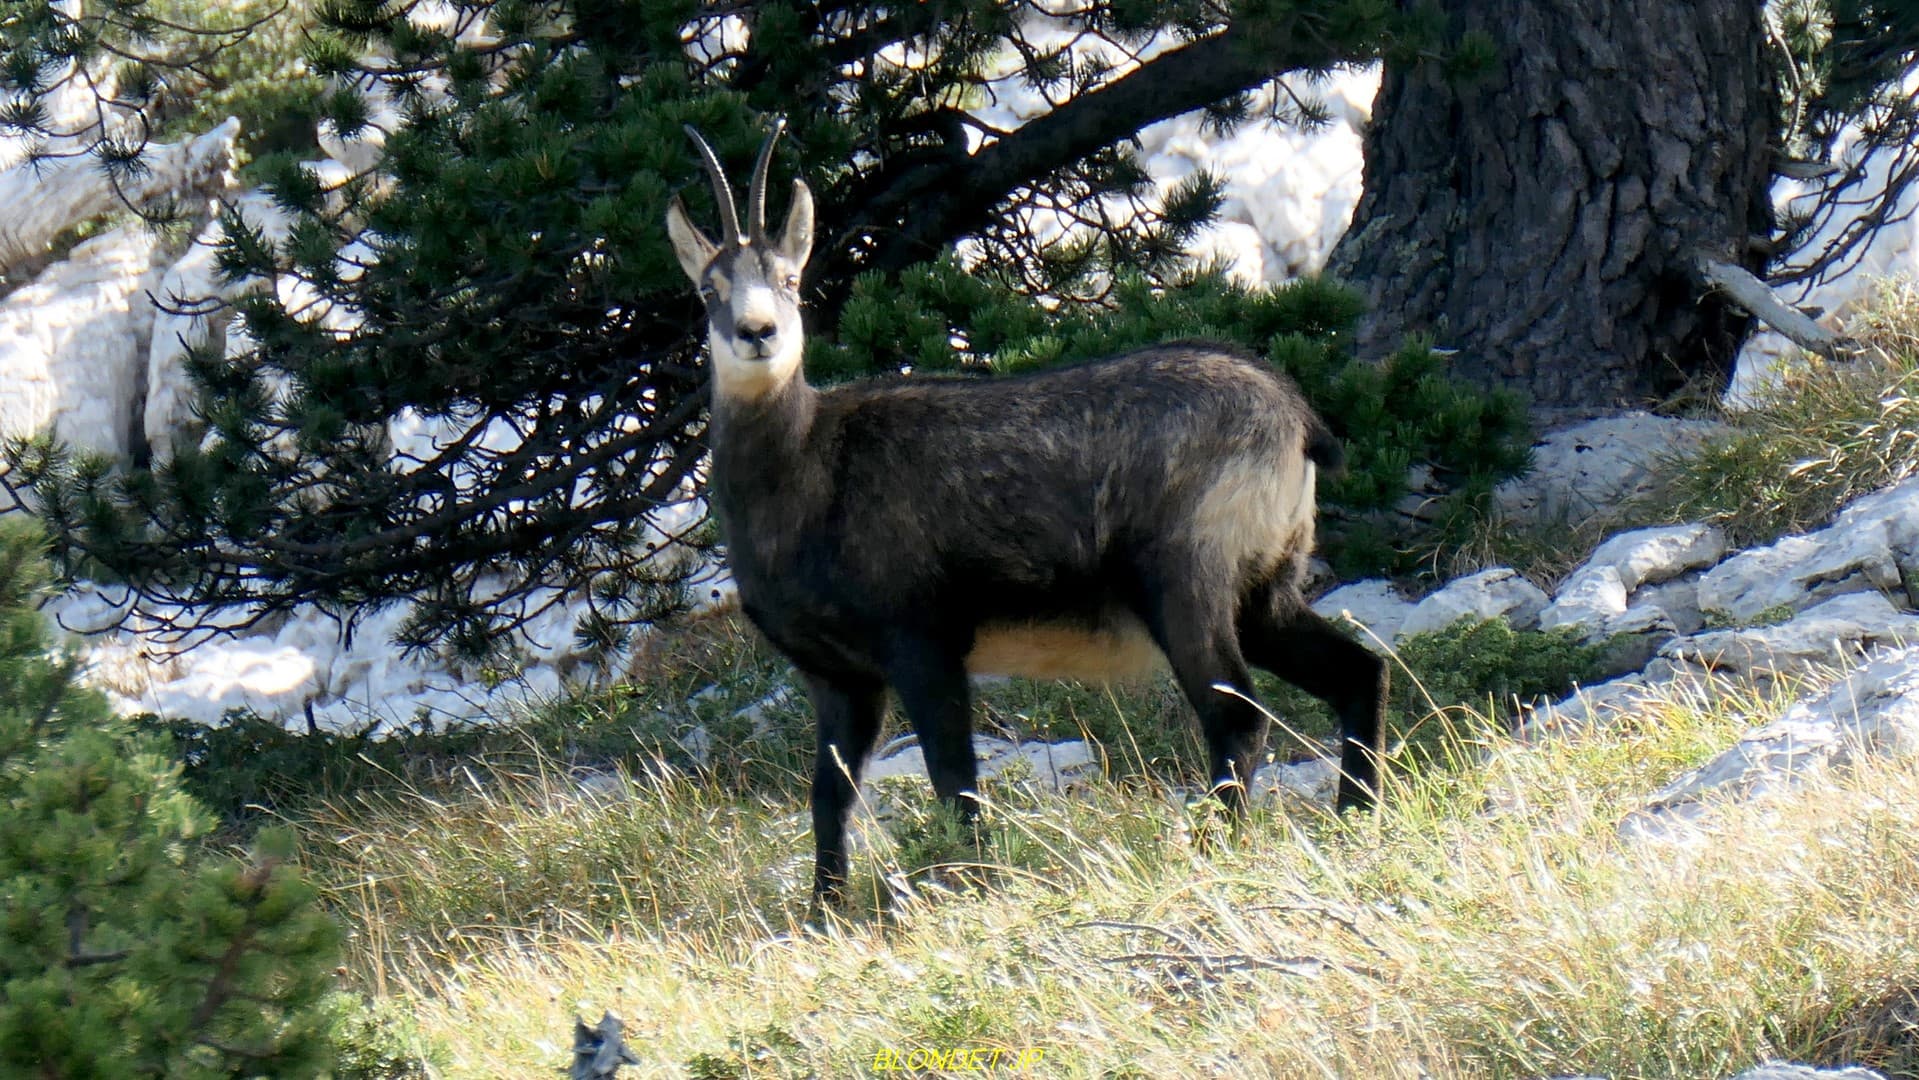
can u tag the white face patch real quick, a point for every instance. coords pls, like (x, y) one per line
(741, 374)
(753, 324)
(749, 281)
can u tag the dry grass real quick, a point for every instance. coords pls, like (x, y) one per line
(1488, 923)
(1826, 435)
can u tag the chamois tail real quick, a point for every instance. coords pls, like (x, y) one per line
(1322, 447)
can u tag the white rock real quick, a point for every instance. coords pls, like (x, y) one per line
(1663, 684)
(1872, 713)
(1889, 251)
(1639, 619)
(1373, 604)
(1623, 587)
(1315, 780)
(73, 343)
(1236, 248)
(1590, 707)
(1595, 465)
(1837, 631)
(1651, 556)
(1781, 1070)
(760, 713)
(1052, 764)
(1592, 598)
(193, 291)
(1489, 594)
(1800, 571)
(1294, 188)
(1677, 600)
(72, 107)
(252, 674)
(1896, 510)
(44, 202)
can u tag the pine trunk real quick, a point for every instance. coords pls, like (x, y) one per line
(1546, 218)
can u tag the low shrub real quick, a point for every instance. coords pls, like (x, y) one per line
(129, 947)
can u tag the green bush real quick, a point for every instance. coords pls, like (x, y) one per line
(127, 948)
(375, 1041)
(1479, 670)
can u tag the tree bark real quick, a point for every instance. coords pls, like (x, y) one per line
(1547, 219)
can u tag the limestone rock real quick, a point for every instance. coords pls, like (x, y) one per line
(1781, 1070)
(1651, 556)
(1596, 464)
(1489, 594)
(193, 313)
(1599, 596)
(1373, 604)
(1873, 544)
(45, 202)
(1874, 712)
(1800, 571)
(73, 343)
(1896, 510)
(1315, 779)
(1590, 707)
(1592, 598)
(1837, 631)
(1629, 695)
(1677, 600)
(1054, 765)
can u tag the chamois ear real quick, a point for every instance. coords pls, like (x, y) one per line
(690, 245)
(796, 242)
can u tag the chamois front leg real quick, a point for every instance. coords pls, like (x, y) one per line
(850, 711)
(931, 681)
(1293, 642)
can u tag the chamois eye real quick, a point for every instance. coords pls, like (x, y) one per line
(709, 294)
(792, 283)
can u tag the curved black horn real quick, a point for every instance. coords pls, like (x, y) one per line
(722, 192)
(756, 195)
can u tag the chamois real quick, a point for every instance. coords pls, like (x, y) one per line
(1085, 522)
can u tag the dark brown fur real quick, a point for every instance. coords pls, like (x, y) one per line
(1079, 521)
(876, 529)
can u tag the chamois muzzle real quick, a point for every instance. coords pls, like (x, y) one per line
(762, 338)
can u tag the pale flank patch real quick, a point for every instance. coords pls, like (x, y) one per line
(1116, 652)
(1259, 510)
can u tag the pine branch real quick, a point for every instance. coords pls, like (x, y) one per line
(1752, 295)
(938, 197)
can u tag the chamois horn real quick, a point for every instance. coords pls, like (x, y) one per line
(756, 194)
(722, 191)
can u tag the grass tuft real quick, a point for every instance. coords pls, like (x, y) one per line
(1826, 435)
(1488, 922)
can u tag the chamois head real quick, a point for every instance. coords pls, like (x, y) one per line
(750, 282)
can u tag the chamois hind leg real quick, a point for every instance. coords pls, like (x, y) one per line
(1280, 633)
(931, 682)
(850, 711)
(1198, 638)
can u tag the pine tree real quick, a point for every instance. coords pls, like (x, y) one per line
(506, 277)
(126, 948)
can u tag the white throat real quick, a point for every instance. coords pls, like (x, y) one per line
(739, 375)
